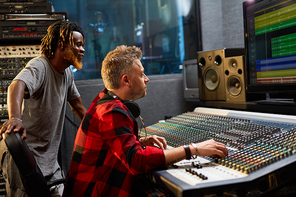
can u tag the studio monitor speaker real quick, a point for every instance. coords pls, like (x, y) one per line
(235, 79)
(221, 76)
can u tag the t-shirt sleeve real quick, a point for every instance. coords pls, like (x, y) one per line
(72, 90)
(32, 75)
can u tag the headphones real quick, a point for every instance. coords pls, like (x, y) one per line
(131, 105)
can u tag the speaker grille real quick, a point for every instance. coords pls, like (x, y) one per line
(234, 86)
(211, 78)
(232, 65)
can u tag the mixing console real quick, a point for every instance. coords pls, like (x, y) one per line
(261, 152)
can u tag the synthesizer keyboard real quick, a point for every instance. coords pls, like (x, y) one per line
(261, 152)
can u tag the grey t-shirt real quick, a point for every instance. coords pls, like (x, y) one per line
(43, 113)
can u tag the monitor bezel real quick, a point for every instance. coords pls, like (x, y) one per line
(270, 88)
(190, 93)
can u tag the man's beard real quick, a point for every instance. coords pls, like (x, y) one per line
(137, 94)
(72, 58)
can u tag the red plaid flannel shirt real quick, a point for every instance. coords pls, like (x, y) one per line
(107, 155)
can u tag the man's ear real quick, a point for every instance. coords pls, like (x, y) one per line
(125, 80)
(61, 45)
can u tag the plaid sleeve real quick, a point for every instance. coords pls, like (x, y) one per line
(118, 133)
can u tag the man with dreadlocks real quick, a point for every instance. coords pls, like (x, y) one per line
(36, 103)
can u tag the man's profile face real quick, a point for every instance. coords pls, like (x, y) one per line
(74, 54)
(138, 80)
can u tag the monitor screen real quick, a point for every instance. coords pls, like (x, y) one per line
(191, 76)
(270, 39)
(190, 79)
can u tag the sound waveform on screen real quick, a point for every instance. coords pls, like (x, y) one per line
(283, 45)
(276, 67)
(276, 80)
(276, 20)
(278, 63)
(271, 7)
(277, 73)
(276, 70)
(278, 26)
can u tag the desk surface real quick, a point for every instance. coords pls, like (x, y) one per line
(248, 106)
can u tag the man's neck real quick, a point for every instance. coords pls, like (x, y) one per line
(59, 64)
(120, 93)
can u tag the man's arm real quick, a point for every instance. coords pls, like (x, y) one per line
(15, 96)
(78, 108)
(205, 148)
(153, 140)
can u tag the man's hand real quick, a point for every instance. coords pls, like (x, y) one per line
(15, 126)
(211, 148)
(152, 140)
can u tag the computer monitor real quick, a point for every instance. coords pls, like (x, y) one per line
(270, 41)
(190, 79)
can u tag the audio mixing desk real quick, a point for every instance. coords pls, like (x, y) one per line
(261, 149)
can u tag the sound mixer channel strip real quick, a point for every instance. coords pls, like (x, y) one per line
(261, 152)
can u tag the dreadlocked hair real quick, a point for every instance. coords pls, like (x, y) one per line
(59, 31)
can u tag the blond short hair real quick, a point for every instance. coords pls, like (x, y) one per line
(117, 63)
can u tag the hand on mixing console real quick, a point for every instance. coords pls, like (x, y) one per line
(14, 125)
(211, 148)
(154, 140)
